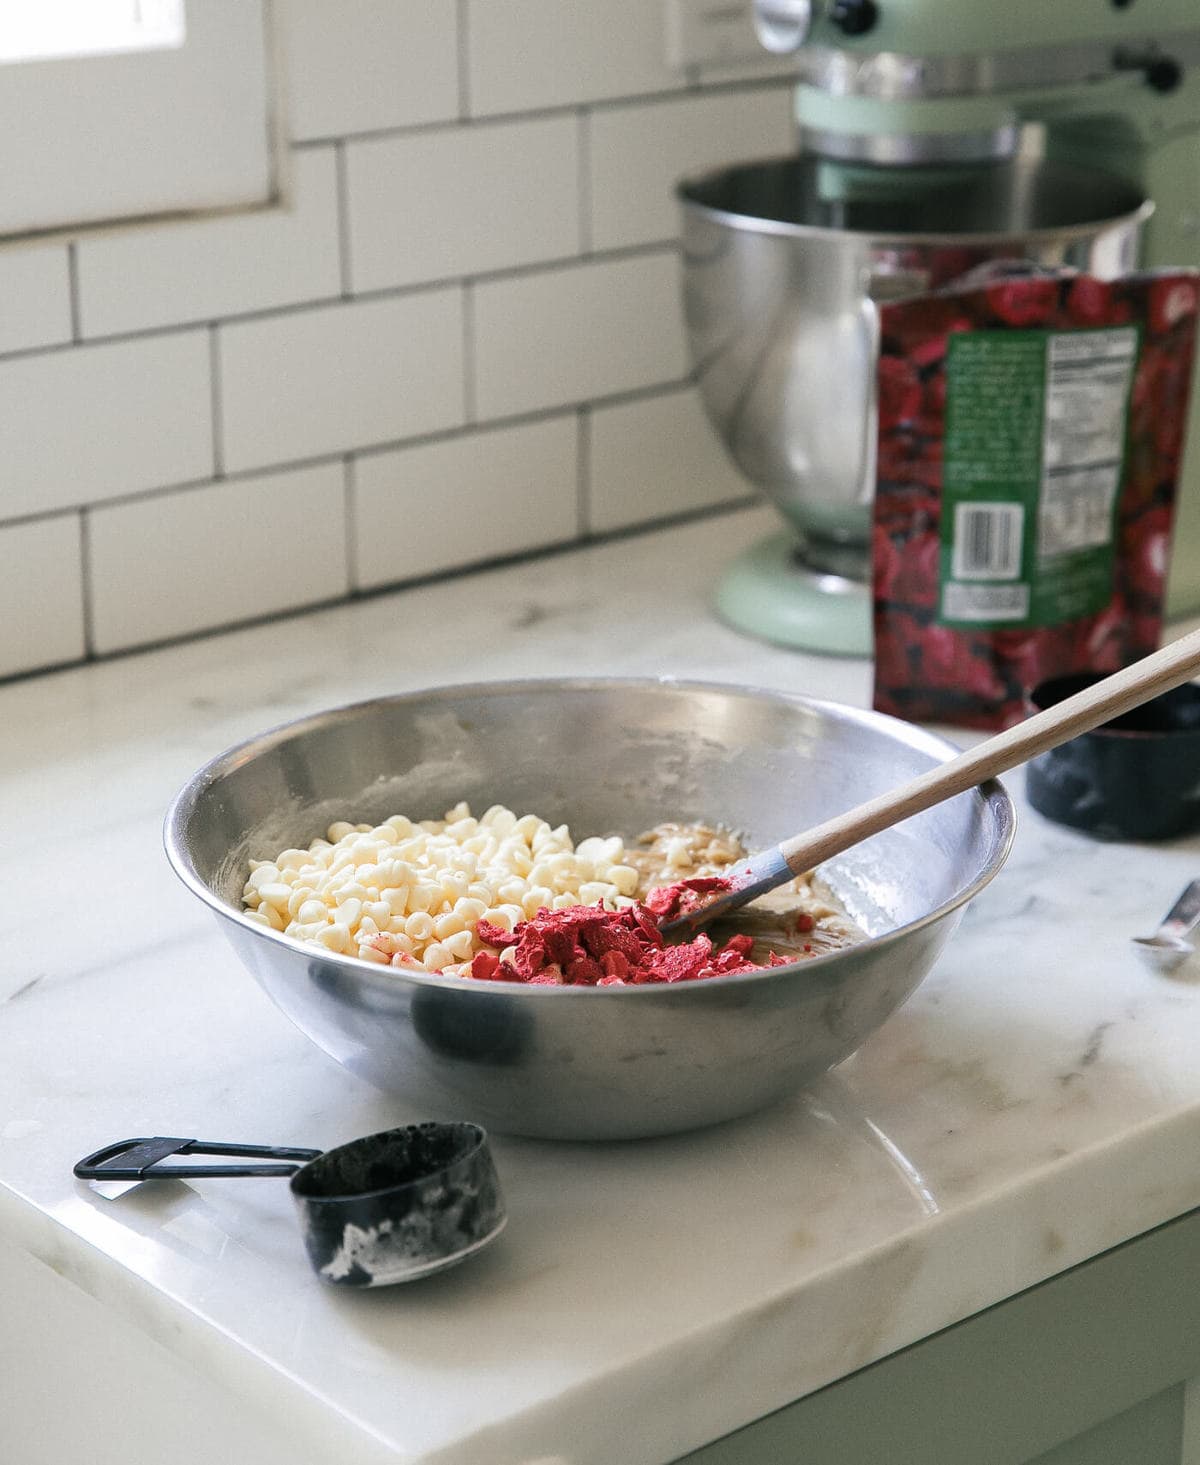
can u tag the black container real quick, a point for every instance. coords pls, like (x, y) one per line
(1137, 777)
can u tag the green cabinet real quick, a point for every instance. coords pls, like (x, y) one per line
(1151, 1433)
(1087, 1368)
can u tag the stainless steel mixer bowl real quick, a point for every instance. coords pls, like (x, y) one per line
(605, 756)
(780, 281)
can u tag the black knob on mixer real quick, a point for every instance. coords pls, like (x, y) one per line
(854, 17)
(1162, 73)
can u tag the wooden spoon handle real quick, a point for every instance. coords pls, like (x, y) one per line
(1160, 671)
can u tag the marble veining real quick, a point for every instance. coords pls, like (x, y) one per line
(1035, 1102)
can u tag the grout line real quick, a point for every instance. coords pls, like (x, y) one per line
(732, 87)
(366, 450)
(586, 200)
(683, 92)
(583, 474)
(469, 357)
(388, 292)
(464, 61)
(51, 668)
(519, 419)
(151, 333)
(350, 500)
(73, 288)
(218, 421)
(477, 567)
(86, 579)
(342, 186)
(523, 271)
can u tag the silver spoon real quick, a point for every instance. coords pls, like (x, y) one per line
(1169, 946)
(1171, 665)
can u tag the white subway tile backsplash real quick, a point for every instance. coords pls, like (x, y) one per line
(762, 67)
(253, 547)
(641, 150)
(448, 282)
(462, 200)
(361, 65)
(655, 458)
(526, 54)
(35, 296)
(41, 594)
(339, 377)
(92, 422)
(438, 505)
(582, 331)
(198, 270)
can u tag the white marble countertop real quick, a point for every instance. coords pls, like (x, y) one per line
(1036, 1101)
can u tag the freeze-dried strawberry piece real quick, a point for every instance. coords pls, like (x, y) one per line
(615, 965)
(682, 963)
(643, 922)
(485, 967)
(583, 971)
(663, 901)
(588, 945)
(530, 956)
(560, 942)
(684, 896)
(606, 938)
(729, 962)
(493, 935)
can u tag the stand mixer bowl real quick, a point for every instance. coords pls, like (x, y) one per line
(784, 262)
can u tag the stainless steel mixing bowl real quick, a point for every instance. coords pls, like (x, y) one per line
(604, 756)
(783, 264)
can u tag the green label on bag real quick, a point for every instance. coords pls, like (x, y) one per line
(1034, 453)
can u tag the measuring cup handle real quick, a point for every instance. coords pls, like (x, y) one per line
(136, 1159)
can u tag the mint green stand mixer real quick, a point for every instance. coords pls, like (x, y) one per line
(936, 139)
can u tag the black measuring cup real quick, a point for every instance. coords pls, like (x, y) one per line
(389, 1207)
(1136, 777)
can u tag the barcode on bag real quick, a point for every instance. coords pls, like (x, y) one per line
(987, 541)
(985, 602)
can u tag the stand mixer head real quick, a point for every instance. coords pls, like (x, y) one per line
(931, 143)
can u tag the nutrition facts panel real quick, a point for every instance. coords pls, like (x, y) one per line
(1088, 375)
(1032, 470)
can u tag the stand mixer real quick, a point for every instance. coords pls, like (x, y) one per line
(935, 138)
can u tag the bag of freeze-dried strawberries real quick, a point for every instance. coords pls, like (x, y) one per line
(1030, 436)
